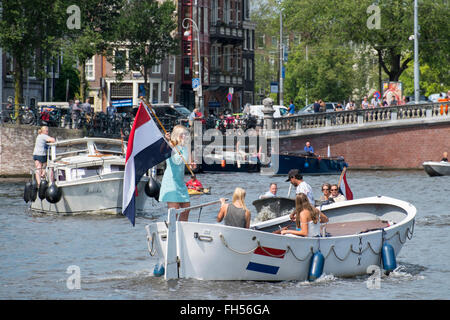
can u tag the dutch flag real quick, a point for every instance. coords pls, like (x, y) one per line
(146, 148)
(346, 191)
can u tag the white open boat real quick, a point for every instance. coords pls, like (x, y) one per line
(356, 238)
(434, 168)
(88, 174)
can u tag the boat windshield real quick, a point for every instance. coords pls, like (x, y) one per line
(111, 148)
(73, 149)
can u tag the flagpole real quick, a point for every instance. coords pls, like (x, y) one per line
(342, 175)
(148, 105)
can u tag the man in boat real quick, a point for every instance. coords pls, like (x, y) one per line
(271, 193)
(445, 157)
(296, 179)
(308, 148)
(194, 184)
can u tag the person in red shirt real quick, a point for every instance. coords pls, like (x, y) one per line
(193, 183)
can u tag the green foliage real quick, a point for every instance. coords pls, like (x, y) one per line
(69, 72)
(147, 28)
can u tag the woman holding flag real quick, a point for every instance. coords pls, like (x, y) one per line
(173, 188)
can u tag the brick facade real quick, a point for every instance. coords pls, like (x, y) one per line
(383, 148)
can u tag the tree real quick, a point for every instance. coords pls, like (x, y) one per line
(96, 32)
(384, 27)
(68, 73)
(30, 31)
(146, 29)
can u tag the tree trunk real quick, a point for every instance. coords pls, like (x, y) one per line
(82, 81)
(18, 89)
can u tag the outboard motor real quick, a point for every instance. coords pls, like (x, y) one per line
(53, 193)
(42, 189)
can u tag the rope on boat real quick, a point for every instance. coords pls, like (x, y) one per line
(408, 235)
(234, 250)
(152, 240)
(299, 259)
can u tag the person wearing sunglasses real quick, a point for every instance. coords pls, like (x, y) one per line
(335, 194)
(326, 193)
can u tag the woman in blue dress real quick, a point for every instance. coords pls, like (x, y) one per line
(173, 188)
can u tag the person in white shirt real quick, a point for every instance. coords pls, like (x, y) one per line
(296, 179)
(271, 193)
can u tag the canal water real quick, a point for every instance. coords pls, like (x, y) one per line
(39, 254)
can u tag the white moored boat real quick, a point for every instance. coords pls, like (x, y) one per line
(434, 168)
(88, 175)
(360, 235)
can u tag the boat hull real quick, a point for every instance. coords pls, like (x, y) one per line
(307, 165)
(433, 168)
(218, 252)
(96, 195)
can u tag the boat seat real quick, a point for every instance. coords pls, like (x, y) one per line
(354, 227)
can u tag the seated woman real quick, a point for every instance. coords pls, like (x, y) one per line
(193, 183)
(306, 218)
(235, 214)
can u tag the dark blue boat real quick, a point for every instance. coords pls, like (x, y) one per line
(306, 163)
(230, 162)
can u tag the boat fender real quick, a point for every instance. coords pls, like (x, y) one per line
(53, 193)
(388, 257)
(316, 266)
(158, 271)
(27, 191)
(306, 164)
(152, 188)
(33, 190)
(42, 189)
(223, 163)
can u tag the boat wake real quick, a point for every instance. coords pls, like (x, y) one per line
(266, 214)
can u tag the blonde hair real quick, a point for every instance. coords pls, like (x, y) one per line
(42, 129)
(302, 203)
(239, 196)
(176, 134)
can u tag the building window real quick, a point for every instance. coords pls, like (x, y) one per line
(156, 68)
(172, 65)
(89, 69)
(214, 12)
(244, 68)
(120, 60)
(250, 70)
(245, 38)
(9, 65)
(155, 92)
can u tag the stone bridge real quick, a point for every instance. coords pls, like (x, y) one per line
(399, 137)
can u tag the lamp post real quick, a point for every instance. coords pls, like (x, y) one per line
(199, 91)
(416, 53)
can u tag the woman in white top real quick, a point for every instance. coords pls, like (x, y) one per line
(306, 218)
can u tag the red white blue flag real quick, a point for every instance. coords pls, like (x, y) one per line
(346, 191)
(146, 148)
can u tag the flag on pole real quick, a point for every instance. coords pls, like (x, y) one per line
(146, 148)
(347, 192)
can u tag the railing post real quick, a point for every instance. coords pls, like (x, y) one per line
(268, 113)
(394, 114)
(171, 263)
(360, 116)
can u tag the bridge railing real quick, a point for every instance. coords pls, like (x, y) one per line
(362, 116)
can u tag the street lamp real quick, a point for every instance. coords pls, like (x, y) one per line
(199, 91)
